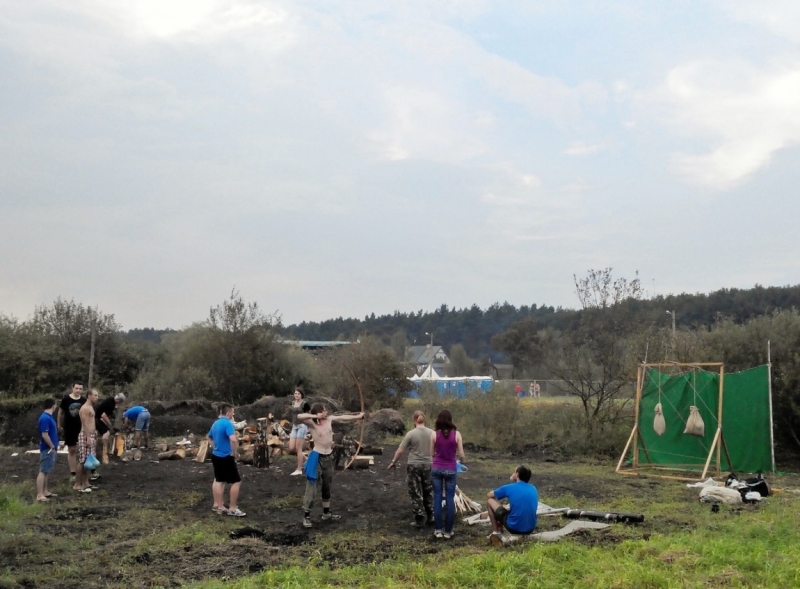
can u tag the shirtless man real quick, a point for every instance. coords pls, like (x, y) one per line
(319, 465)
(87, 441)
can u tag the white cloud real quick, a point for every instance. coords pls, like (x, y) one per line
(745, 112)
(579, 148)
(782, 17)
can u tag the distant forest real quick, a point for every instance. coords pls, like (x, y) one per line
(474, 327)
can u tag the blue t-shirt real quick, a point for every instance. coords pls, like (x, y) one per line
(47, 425)
(221, 433)
(133, 413)
(524, 499)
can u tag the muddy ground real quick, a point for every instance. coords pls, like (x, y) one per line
(151, 523)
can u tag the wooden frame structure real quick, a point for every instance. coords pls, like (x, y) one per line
(717, 446)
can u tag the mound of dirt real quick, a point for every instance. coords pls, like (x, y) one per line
(382, 423)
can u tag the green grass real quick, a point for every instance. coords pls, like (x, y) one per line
(755, 549)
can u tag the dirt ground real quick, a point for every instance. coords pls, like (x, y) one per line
(151, 523)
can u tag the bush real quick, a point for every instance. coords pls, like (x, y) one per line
(498, 420)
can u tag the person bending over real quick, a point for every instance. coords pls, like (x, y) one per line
(519, 517)
(140, 416)
(105, 415)
(319, 466)
(418, 470)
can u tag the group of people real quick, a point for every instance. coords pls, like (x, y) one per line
(534, 390)
(80, 421)
(432, 475)
(431, 471)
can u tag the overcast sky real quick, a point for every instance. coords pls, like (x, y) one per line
(342, 158)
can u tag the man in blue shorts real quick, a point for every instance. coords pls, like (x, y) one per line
(223, 435)
(139, 415)
(519, 517)
(48, 447)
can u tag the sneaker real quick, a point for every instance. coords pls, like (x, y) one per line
(307, 522)
(297, 472)
(220, 510)
(438, 534)
(236, 513)
(333, 516)
(448, 535)
(95, 476)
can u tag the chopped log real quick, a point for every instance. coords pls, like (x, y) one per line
(166, 455)
(202, 451)
(246, 457)
(119, 444)
(179, 454)
(137, 454)
(363, 462)
(104, 459)
(276, 451)
(162, 446)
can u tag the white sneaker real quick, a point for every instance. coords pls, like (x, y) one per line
(296, 473)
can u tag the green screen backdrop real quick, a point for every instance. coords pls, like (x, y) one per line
(745, 418)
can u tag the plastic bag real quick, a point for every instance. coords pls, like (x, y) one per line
(91, 462)
(695, 425)
(659, 425)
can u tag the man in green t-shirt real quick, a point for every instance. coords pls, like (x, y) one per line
(418, 470)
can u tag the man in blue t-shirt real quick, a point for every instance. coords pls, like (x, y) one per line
(519, 517)
(48, 447)
(140, 416)
(223, 435)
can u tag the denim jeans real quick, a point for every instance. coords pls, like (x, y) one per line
(444, 479)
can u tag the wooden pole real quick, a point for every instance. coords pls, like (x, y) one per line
(261, 453)
(625, 451)
(719, 417)
(711, 454)
(639, 378)
(769, 392)
(91, 355)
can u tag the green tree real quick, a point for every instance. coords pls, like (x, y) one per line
(596, 356)
(460, 363)
(522, 344)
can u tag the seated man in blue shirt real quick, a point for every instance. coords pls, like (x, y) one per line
(519, 517)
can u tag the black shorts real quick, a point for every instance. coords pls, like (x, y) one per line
(101, 427)
(501, 515)
(225, 470)
(71, 437)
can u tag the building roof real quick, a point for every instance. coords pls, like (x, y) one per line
(423, 354)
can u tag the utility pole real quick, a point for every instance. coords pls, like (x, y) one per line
(673, 327)
(430, 334)
(91, 354)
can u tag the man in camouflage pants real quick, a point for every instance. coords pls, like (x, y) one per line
(418, 471)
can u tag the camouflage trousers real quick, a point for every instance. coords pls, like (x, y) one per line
(418, 477)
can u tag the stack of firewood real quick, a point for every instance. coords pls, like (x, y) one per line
(464, 504)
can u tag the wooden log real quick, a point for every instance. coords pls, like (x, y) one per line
(246, 457)
(179, 454)
(166, 455)
(162, 446)
(119, 444)
(104, 459)
(137, 454)
(363, 462)
(202, 451)
(372, 450)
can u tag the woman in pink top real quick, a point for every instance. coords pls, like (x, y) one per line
(445, 444)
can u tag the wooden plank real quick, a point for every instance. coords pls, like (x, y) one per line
(201, 453)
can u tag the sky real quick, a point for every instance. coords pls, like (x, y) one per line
(339, 158)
